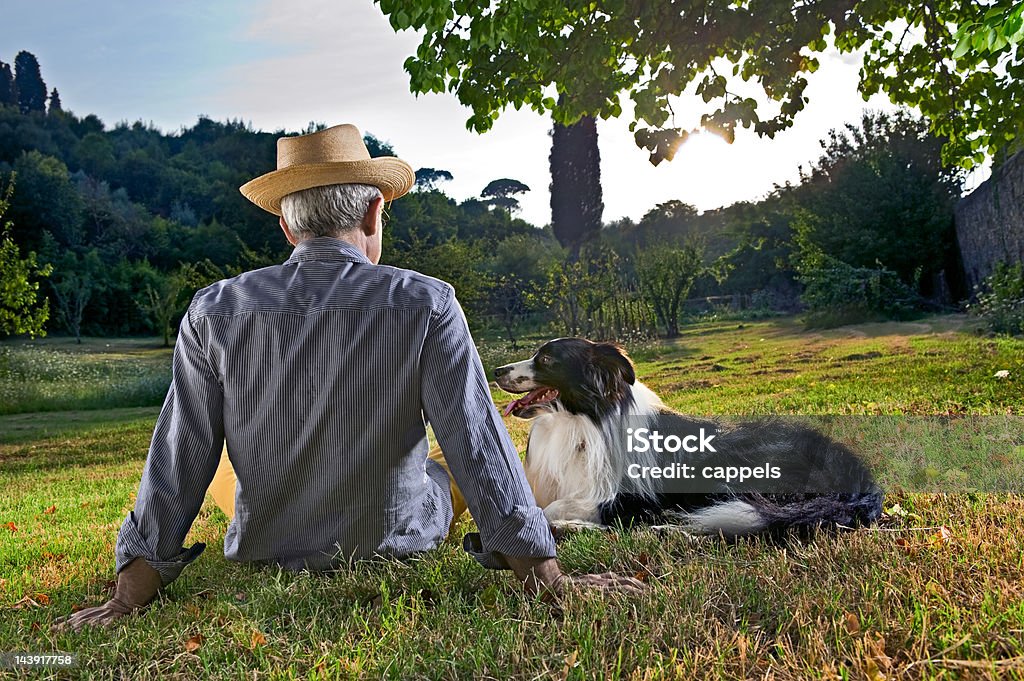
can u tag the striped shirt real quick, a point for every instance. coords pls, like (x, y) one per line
(321, 374)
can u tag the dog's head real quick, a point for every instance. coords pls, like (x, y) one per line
(574, 374)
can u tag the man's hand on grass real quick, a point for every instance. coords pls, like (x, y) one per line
(606, 581)
(137, 585)
(544, 575)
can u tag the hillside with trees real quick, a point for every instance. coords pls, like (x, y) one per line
(128, 221)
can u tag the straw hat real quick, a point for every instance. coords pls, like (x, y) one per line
(333, 156)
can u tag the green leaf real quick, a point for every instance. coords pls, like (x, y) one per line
(963, 46)
(993, 13)
(1012, 27)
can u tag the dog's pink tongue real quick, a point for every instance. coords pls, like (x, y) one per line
(523, 401)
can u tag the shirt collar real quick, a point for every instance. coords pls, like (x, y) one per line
(327, 248)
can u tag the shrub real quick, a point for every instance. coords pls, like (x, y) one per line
(1001, 299)
(837, 293)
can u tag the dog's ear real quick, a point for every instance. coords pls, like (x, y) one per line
(613, 359)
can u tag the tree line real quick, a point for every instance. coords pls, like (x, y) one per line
(126, 222)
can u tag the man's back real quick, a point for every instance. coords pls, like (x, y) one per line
(319, 361)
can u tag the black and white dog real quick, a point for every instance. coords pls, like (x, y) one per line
(580, 396)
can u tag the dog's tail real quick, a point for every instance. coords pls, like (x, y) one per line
(753, 514)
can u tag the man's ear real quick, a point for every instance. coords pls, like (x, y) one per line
(372, 218)
(287, 232)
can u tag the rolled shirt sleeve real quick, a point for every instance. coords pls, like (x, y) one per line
(182, 460)
(477, 447)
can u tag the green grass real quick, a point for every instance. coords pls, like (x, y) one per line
(57, 374)
(904, 600)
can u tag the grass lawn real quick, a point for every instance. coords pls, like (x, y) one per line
(58, 374)
(936, 591)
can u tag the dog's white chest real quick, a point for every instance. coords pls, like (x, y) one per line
(562, 457)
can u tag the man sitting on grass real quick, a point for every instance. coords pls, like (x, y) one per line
(317, 375)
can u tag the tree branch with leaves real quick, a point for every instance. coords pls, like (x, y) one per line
(529, 52)
(21, 311)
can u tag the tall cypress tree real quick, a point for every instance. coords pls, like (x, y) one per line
(8, 93)
(576, 199)
(29, 81)
(55, 105)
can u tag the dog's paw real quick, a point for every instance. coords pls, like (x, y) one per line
(572, 511)
(669, 528)
(675, 530)
(564, 528)
(571, 525)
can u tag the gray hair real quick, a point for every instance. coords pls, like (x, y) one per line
(331, 210)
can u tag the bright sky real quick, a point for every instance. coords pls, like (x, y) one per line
(281, 64)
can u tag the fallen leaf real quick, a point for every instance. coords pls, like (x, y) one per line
(640, 576)
(240, 596)
(897, 510)
(25, 602)
(570, 663)
(11, 526)
(258, 639)
(51, 510)
(192, 645)
(941, 536)
(34, 601)
(873, 672)
(851, 624)
(878, 662)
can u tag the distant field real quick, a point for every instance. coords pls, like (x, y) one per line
(937, 591)
(57, 374)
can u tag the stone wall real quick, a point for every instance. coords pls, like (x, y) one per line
(990, 221)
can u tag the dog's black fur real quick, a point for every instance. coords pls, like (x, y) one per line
(571, 378)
